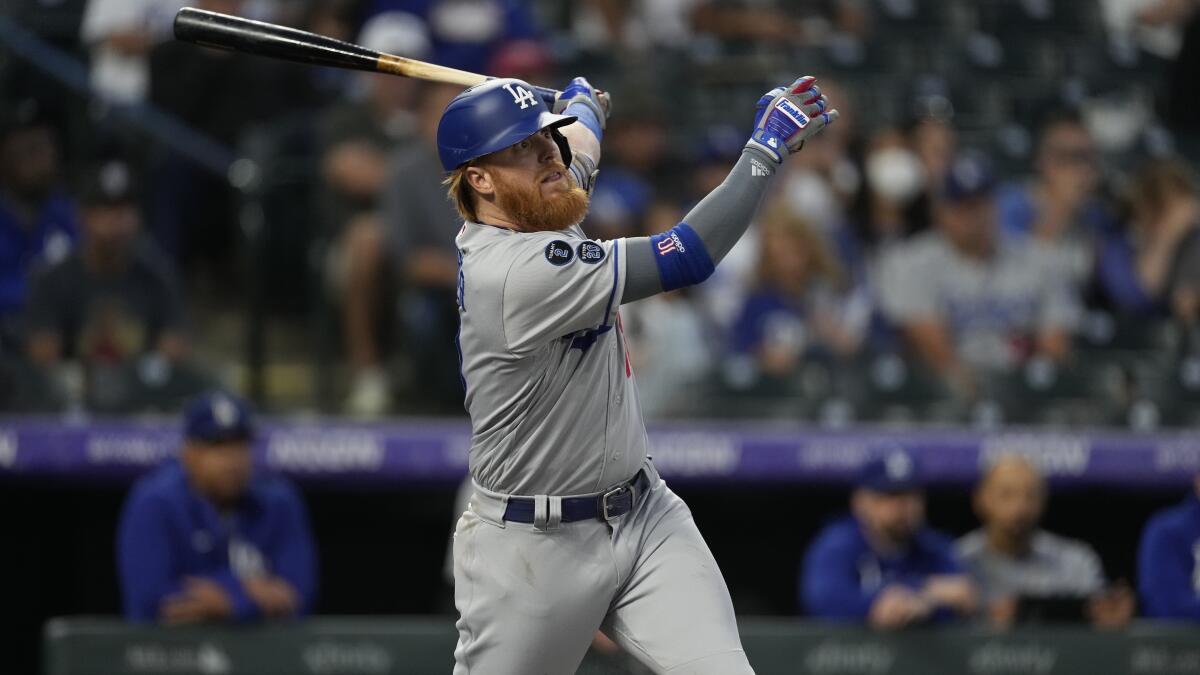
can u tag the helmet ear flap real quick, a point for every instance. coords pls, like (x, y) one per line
(563, 146)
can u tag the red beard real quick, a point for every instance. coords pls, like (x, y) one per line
(531, 211)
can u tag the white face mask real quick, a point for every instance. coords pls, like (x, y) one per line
(809, 193)
(895, 174)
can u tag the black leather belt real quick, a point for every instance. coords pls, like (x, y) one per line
(612, 504)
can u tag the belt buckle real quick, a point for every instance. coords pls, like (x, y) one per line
(604, 501)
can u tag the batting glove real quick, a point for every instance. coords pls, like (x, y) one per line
(785, 117)
(581, 91)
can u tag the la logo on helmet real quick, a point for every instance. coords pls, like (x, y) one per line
(521, 96)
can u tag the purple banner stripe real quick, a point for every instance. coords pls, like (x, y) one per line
(423, 451)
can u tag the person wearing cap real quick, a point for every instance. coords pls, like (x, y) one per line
(114, 297)
(1025, 572)
(969, 302)
(881, 565)
(466, 34)
(204, 538)
(38, 220)
(1169, 561)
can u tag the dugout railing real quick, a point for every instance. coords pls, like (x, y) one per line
(419, 645)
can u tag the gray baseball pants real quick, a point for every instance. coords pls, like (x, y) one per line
(531, 596)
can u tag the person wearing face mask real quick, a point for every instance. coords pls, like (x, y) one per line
(1025, 572)
(894, 204)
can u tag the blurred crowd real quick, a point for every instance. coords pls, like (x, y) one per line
(1003, 227)
(205, 538)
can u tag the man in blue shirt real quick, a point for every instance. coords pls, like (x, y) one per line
(37, 222)
(1169, 562)
(881, 565)
(203, 539)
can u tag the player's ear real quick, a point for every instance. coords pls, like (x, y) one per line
(480, 180)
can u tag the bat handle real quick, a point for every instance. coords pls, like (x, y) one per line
(549, 95)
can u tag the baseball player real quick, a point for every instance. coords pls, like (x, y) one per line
(570, 528)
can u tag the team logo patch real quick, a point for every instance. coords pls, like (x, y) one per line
(558, 252)
(590, 252)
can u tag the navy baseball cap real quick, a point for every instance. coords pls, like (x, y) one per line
(217, 417)
(970, 175)
(893, 472)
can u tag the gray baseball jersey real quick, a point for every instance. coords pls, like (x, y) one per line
(549, 389)
(986, 306)
(1055, 566)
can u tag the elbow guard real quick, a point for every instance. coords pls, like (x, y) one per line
(681, 257)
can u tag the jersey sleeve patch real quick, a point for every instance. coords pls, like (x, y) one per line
(559, 253)
(590, 252)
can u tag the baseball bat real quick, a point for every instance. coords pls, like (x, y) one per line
(234, 33)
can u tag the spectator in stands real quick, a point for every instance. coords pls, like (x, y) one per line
(466, 34)
(220, 95)
(1154, 267)
(635, 157)
(969, 302)
(824, 181)
(203, 539)
(38, 223)
(1060, 211)
(1169, 561)
(882, 566)
(721, 297)
(670, 341)
(1154, 18)
(794, 311)
(632, 28)
(115, 297)
(418, 238)
(120, 34)
(894, 203)
(357, 138)
(1024, 571)
(933, 138)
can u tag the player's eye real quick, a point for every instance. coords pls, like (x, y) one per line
(523, 144)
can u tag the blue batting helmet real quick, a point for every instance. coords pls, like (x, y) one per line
(492, 116)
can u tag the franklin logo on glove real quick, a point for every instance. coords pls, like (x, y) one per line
(785, 106)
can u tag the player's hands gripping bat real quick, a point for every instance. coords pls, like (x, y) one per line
(213, 29)
(785, 117)
(582, 91)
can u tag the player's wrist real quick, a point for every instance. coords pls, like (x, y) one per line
(761, 145)
(762, 161)
(588, 113)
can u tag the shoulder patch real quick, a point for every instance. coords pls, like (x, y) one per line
(558, 252)
(590, 252)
